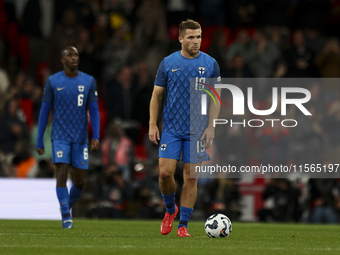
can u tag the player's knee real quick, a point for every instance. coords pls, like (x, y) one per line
(165, 174)
(192, 181)
(61, 176)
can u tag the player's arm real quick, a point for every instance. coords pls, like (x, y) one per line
(94, 116)
(213, 112)
(156, 101)
(43, 116)
(155, 104)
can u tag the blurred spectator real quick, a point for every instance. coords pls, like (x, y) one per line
(144, 82)
(315, 41)
(331, 124)
(117, 53)
(274, 143)
(37, 22)
(111, 193)
(309, 143)
(88, 63)
(218, 50)
(322, 201)
(212, 12)
(101, 32)
(84, 12)
(280, 36)
(242, 13)
(117, 148)
(150, 35)
(281, 198)
(65, 33)
(148, 197)
(13, 131)
(225, 197)
(238, 68)
(118, 12)
(26, 101)
(240, 45)
(299, 59)
(262, 55)
(120, 95)
(235, 155)
(179, 10)
(328, 61)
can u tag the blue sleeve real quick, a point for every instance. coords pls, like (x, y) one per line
(161, 79)
(95, 119)
(48, 93)
(216, 71)
(93, 95)
(43, 118)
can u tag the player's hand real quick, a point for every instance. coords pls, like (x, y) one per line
(94, 144)
(209, 136)
(154, 134)
(40, 151)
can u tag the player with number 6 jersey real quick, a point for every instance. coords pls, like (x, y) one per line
(69, 97)
(68, 93)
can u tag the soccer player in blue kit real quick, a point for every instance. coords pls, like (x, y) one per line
(68, 93)
(173, 77)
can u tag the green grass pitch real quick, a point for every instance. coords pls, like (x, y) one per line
(125, 237)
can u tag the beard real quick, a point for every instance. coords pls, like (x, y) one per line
(191, 51)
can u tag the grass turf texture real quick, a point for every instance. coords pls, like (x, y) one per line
(143, 237)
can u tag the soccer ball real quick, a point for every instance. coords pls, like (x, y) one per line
(218, 226)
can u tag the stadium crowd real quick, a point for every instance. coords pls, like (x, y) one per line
(121, 43)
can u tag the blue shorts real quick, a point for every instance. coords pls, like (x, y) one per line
(191, 147)
(74, 154)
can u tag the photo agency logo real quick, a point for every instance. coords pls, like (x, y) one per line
(281, 98)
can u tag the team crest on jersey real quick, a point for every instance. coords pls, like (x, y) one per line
(59, 154)
(81, 88)
(163, 146)
(201, 69)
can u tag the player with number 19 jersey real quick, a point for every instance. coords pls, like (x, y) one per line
(69, 98)
(175, 73)
(182, 132)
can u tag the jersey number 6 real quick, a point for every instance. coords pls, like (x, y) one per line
(80, 99)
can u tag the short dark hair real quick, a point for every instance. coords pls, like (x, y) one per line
(63, 52)
(188, 24)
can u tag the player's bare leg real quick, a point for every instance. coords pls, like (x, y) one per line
(167, 185)
(188, 197)
(62, 194)
(79, 180)
(61, 174)
(189, 190)
(167, 168)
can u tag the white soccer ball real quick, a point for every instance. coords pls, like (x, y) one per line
(218, 226)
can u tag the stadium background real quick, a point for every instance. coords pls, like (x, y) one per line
(121, 43)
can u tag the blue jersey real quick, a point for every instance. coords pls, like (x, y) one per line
(175, 73)
(69, 98)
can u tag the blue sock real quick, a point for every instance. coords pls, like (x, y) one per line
(185, 214)
(169, 201)
(62, 194)
(74, 195)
